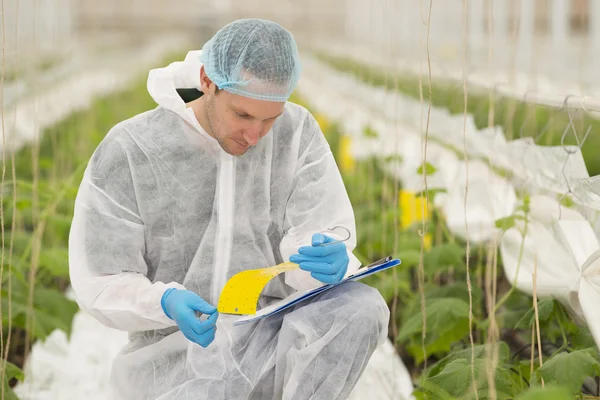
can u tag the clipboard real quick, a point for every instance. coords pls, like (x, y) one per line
(298, 297)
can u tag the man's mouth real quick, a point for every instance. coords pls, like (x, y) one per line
(240, 144)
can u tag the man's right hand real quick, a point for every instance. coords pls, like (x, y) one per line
(181, 306)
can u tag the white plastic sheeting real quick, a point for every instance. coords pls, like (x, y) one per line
(395, 116)
(545, 87)
(397, 120)
(489, 197)
(34, 30)
(72, 368)
(562, 241)
(563, 246)
(385, 378)
(30, 113)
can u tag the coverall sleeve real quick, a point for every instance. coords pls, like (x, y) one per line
(317, 203)
(106, 246)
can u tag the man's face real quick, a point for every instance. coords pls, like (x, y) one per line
(239, 122)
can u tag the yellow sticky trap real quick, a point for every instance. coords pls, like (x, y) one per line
(413, 209)
(346, 158)
(241, 292)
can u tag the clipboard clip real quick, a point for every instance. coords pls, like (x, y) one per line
(377, 263)
(336, 241)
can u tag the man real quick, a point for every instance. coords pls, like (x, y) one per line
(178, 199)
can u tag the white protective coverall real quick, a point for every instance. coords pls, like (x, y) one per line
(161, 206)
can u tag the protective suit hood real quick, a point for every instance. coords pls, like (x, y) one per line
(163, 83)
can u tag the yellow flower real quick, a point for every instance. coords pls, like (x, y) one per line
(427, 241)
(413, 209)
(345, 152)
(323, 122)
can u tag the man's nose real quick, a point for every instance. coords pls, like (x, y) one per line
(251, 136)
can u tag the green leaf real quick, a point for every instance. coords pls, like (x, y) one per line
(545, 311)
(447, 323)
(12, 371)
(23, 204)
(443, 256)
(430, 169)
(517, 304)
(441, 313)
(549, 392)
(522, 371)
(456, 290)
(59, 225)
(56, 261)
(370, 132)
(478, 351)
(457, 379)
(525, 207)
(388, 286)
(508, 222)
(430, 194)
(437, 344)
(46, 163)
(20, 242)
(582, 338)
(51, 310)
(393, 157)
(454, 378)
(410, 240)
(570, 369)
(8, 392)
(428, 390)
(484, 394)
(567, 201)
(410, 257)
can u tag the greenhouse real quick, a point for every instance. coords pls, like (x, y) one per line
(382, 199)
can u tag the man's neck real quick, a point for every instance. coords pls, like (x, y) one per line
(198, 106)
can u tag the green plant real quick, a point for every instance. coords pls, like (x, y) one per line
(37, 204)
(503, 363)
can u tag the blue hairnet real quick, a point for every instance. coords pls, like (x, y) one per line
(254, 58)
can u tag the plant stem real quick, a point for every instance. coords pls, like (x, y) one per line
(513, 286)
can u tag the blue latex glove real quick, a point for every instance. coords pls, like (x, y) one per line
(181, 306)
(327, 264)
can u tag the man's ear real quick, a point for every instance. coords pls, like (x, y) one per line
(206, 85)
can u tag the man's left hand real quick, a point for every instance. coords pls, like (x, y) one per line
(327, 264)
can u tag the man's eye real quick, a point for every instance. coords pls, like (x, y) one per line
(242, 115)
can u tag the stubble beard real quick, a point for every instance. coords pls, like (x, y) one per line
(209, 113)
